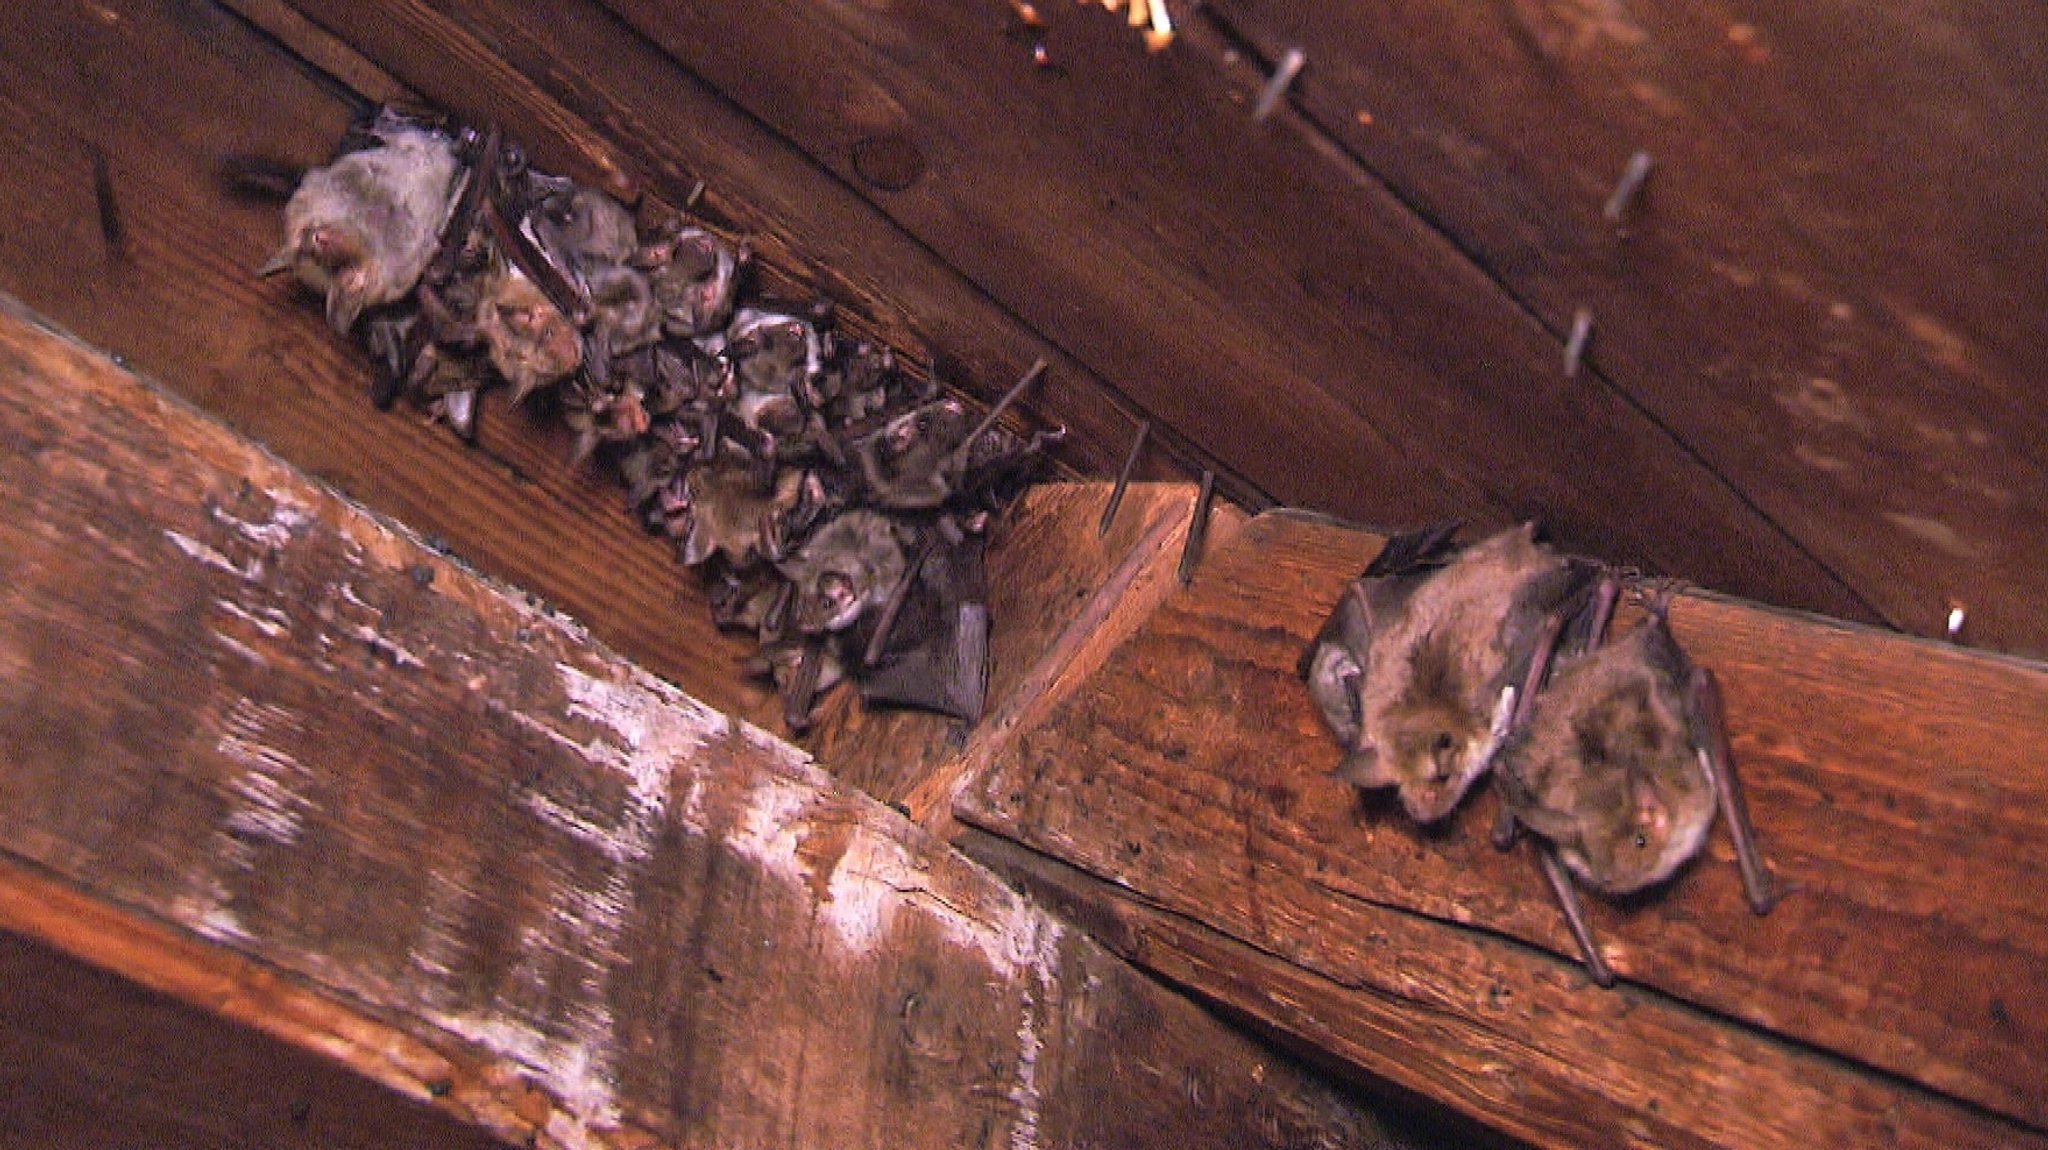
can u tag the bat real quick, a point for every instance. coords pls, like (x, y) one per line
(694, 275)
(1418, 669)
(362, 229)
(529, 341)
(846, 568)
(1619, 767)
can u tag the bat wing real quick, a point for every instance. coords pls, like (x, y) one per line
(1413, 551)
(936, 657)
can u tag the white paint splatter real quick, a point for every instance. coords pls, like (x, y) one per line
(273, 623)
(574, 1071)
(377, 641)
(249, 572)
(241, 648)
(1024, 1135)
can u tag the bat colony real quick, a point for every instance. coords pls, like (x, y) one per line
(836, 507)
(1438, 665)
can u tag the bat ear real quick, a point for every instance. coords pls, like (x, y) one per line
(345, 299)
(280, 262)
(1363, 768)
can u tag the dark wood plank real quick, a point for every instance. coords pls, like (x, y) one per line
(266, 734)
(93, 1061)
(1830, 287)
(1895, 778)
(1285, 312)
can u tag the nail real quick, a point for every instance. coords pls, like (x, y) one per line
(1283, 76)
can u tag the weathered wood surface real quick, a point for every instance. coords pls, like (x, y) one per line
(1899, 781)
(1830, 286)
(269, 755)
(1280, 309)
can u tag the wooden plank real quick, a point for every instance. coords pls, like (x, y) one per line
(147, 85)
(279, 749)
(1830, 286)
(1284, 312)
(1894, 778)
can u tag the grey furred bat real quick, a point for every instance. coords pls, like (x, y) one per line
(363, 229)
(1418, 670)
(1619, 766)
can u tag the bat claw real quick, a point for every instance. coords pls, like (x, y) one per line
(1506, 829)
(1774, 892)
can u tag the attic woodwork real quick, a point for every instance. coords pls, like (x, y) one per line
(1356, 306)
(269, 756)
(1182, 800)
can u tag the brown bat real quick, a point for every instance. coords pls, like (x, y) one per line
(1418, 669)
(1619, 766)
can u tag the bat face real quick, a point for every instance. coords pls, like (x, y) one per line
(1607, 767)
(908, 463)
(844, 569)
(530, 341)
(1418, 669)
(364, 228)
(585, 230)
(772, 356)
(694, 275)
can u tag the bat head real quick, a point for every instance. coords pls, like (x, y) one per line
(772, 354)
(846, 567)
(623, 307)
(1640, 801)
(694, 275)
(529, 340)
(1642, 834)
(1432, 750)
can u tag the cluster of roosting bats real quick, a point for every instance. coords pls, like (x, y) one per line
(836, 506)
(1440, 664)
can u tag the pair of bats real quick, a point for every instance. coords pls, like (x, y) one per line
(1438, 665)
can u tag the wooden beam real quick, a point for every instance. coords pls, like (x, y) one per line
(1895, 780)
(277, 759)
(1286, 313)
(1845, 194)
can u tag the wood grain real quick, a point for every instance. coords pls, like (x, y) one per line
(1055, 578)
(1829, 287)
(1285, 312)
(255, 728)
(1894, 779)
